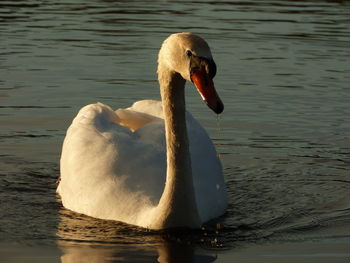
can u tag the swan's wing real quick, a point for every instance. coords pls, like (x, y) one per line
(108, 171)
(208, 178)
(151, 107)
(207, 171)
(140, 113)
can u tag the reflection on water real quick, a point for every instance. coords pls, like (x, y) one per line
(101, 253)
(85, 239)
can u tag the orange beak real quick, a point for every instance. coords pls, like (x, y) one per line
(206, 89)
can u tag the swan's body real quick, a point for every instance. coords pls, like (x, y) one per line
(150, 165)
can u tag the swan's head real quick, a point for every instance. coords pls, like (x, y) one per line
(190, 56)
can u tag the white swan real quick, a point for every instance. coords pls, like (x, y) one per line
(140, 165)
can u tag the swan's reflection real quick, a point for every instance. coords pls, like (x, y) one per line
(85, 239)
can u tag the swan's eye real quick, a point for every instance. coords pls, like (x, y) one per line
(189, 53)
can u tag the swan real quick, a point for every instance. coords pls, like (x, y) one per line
(151, 165)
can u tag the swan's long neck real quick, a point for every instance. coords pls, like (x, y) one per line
(177, 206)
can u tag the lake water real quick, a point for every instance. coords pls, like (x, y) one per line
(284, 137)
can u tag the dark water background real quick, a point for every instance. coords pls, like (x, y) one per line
(283, 74)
